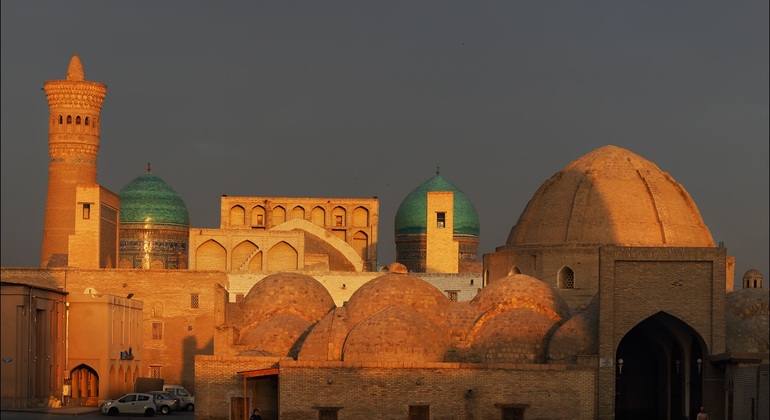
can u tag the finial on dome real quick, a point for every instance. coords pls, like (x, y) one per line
(148, 167)
(75, 70)
(438, 171)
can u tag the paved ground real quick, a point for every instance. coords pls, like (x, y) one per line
(87, 412)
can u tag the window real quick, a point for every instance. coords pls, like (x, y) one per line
(194, 300)
(77, 120)
(513, 413)
(452, 295)
(566, 278)
(327, 413)
(260, 220)
(157, 331)
(86, 211)
(337, 220)
(419, 412)
(69, 119)
(87, 120)
(440, 220)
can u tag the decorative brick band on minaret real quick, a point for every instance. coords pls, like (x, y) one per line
(73, 143)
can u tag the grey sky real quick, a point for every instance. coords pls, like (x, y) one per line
(349, 99)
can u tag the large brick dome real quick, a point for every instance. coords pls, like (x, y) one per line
(612, 196)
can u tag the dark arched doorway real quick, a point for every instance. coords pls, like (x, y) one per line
(85, 386)
(658, 372)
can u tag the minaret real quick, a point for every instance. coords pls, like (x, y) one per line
(73, 143)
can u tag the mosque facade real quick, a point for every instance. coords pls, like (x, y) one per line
(609, 299)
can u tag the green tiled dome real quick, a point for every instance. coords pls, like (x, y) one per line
(149, 199)
(411, 217)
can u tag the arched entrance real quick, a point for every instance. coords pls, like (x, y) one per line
(659, 370)
(85, 386)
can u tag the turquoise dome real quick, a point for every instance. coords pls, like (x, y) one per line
(149, 199)
(411, 217)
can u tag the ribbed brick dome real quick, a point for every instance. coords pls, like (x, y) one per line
(612, 196)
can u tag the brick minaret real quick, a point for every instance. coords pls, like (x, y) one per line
(73, 143)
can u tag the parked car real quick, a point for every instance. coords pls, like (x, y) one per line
(186, 400)
(165, 402)
(131, 403)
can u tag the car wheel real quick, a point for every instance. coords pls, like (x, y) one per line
(149, 412)
(113, 411)
(190, 407)
(165, 409)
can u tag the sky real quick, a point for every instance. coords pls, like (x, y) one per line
(362, 99)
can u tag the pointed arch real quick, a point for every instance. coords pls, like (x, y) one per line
(258, 216)
(361, 244)
(318, 216)
(660, 369)
(282, 257)
(85, 384)
(338, 216)
(514, 270)
(360, 217)
(242, 255)
(237, 216)
(279, 215)
(211, 255)
(298, 212)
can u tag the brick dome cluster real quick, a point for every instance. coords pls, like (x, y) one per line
(398, 317)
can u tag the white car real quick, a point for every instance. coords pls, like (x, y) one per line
(131, 403)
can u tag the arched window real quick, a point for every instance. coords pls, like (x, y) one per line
(69, 119)
(61, 119)
(514, 270)
(87, 120)
(566, 278)
(77, 120)
(258, 216)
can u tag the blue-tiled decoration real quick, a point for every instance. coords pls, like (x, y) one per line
(149, 200)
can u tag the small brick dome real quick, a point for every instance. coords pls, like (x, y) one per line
(578, 336)
(521, 291)
(516, 336)
(294, 293)
(611, 196)
(279, 335)
(746, 321)
(391, 289)
(396, 334)
(752, 278)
